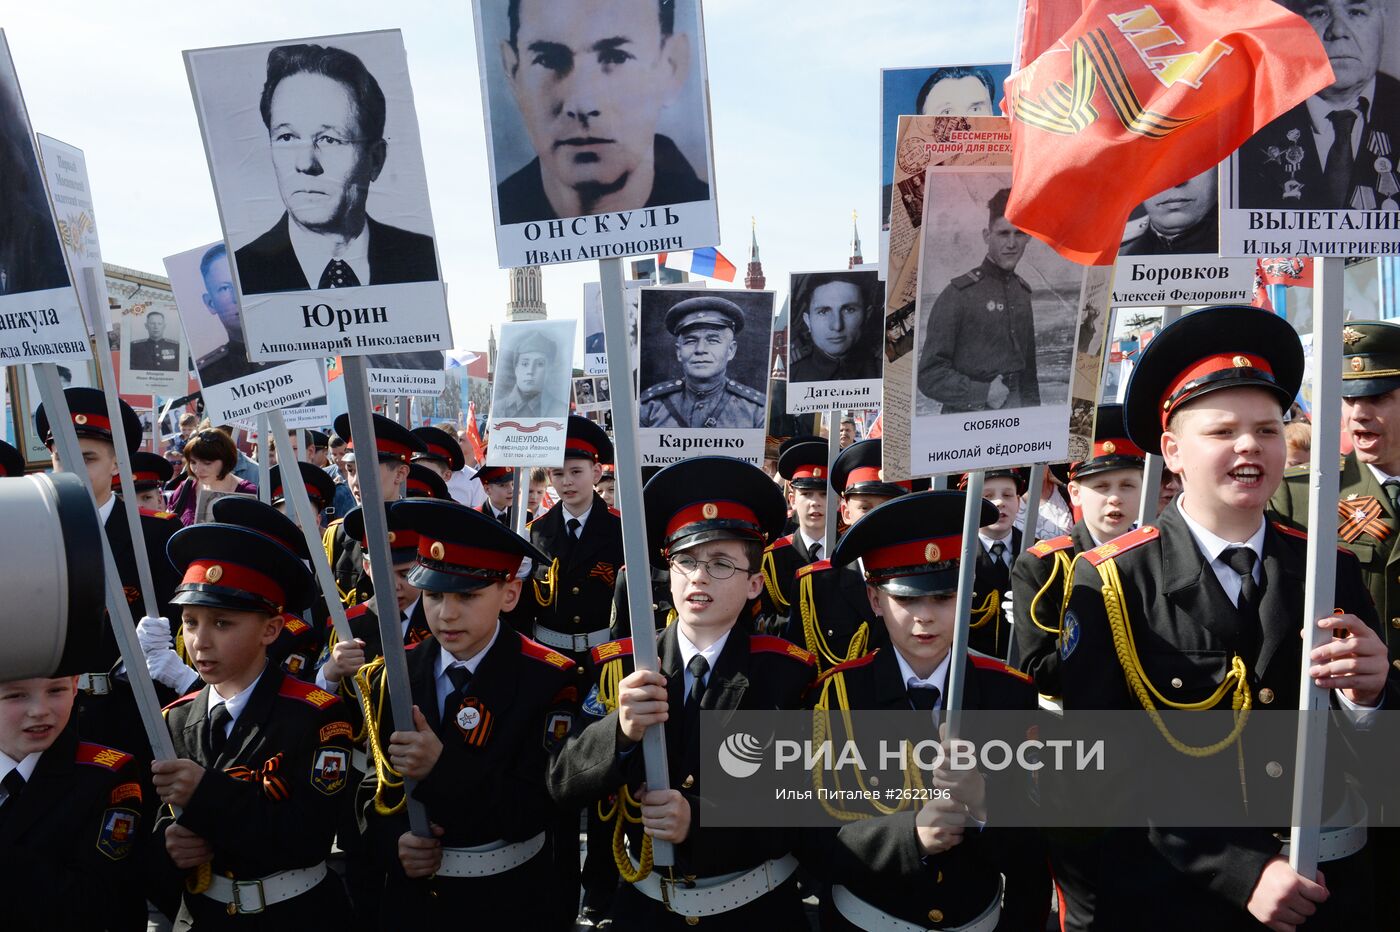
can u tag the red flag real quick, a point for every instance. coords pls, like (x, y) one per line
(474, 435)
(1288, 270)
(335, 370)
(1131, 102)
(878, 428)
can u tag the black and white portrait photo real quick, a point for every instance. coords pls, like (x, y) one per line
(1182, 220)
(155, 352)
(153, 357)
(704, 358)
(592, 109)
(836, 326)
(314, 151)
(603, 393)
(583, 393)
(533, 370)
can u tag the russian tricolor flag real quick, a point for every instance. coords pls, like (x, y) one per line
(709, 262)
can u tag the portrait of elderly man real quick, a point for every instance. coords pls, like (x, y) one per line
(837, 327)
(1180, 221)
(325, 113)
(590, 80)
(706, 331)
(1335, 150)
(957, 91)
(534, 366)
(155, 353)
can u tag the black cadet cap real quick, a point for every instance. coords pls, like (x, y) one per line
(425, 483)
(11, 461)
(320, 488)
(709, 498)
(394, 442)
(264, 519)
(461, 549)
(1113, 449)
(910, 545)
(89, 409)
(803, 462)
(440, 446)
(1370, 358)
(858, 471)
(224, 566)
(148, 470)
(1021, 475)
(318, 438)
(403, 538)
(704, 311)
(587, 441)
(1230, 346)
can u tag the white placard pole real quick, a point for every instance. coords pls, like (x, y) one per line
(967, 566)
(1152, 464)
(833, 450)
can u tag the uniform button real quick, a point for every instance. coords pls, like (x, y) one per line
(655, 607)
(1395, 622)
(575, 590)
(1266, 695)
(1274, 769)
(1397, 664)
(830, 633)
(688, 782)
(577, 619)
(1176, 682)
(692, 920)
(874, 781)
(935, 915)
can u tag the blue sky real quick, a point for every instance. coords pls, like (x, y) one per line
(794, 91)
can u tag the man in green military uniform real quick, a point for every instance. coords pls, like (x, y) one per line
(706, 330)
(155, 353)
(979, 344)
(1367, 515)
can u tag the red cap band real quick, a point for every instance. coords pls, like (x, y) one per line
(145, 477)
(491, 474)
(474, 561)
(232, 576)
(1220, 362)
(441, 453)
(711, 511)
(387, 447)
(1117, 446)
(92, 420)
(873, 474)
(810, 471)
(578, 448)
(912, 553)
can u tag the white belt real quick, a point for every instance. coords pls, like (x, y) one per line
(710, 896)
(1333, 844)
(253, 896)
(865, 916)
(95, 684)
(574, 642)
(360, 760)
(495, 857)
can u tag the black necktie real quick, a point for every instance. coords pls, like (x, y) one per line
(13, 784)
(997, 550)
(338, 274)
(219, 718)
(1340, 160)
(697, 668)
(504, 517)
(460, 677)
(923, 698)
(1241, 560)
(573, 524)
(1392, 491)
(816, 552)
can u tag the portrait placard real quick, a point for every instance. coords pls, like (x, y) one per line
(65, 171)
(40, 319)
(836, 348)
(633, 173)
(422, 374)
(314, 151)
(153, 350)
(592, 393)
(595, 357)
(530, 397)
(704, 373)
(946, 90)
(234, 388)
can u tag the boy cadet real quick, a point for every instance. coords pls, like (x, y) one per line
(1107, 489)
(262, 759)
(443, 453)
(734, 878)
(1000, 542)
(320, 490)
(935, 866)
(1368, 514)
(607, 487)
(539, 485)
(489, 707)
(1215, 589)
(803, 463)
(423, 482)
(499, 484)
(149, 474)
(395, 446)
(831, 616)
(70, 815)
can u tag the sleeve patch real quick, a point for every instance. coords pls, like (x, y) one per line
(336, 729)
(329, 770)
(125, 791)
(592, 705)
(119, 833)
(557, 730)
(1069, 635)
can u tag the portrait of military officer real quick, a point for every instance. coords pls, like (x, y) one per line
(583, 392)
(706, 331)
(325, 114)
(1182, 220)
(979, 350)
(229, 360)
(1334, 151)
(155, 352)
(539, 379)
(590, 92)
(837, 329)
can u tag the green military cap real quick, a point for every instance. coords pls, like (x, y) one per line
(704, 311)
(1370, 358)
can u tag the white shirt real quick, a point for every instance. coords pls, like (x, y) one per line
(466, 489)
(234, 705)
(689, 650)
(1381, 475)
(445, 660)
(104, 511)
(314, 252)
(581, 519)
(1007, 556)
(938, 680)
(1213, 546)
(1055, 517)
(810, 542)
(1324, 133)
(25, 768)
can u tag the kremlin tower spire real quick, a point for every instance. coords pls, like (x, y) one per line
(856, 257)
(753, 277)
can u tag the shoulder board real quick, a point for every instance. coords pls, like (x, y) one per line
(614, 512)
(1121, 544)
(848, 665)
(539, 652)
(612, 650)
(1047, 547)
(294, 624)
(1295, 472)
(163, 515)
(183, 699)
(1022, 282)
(1290, 531)
(996, 666)
(355, 611)
(99, 755)
(767, 644)
(308, 693)
(743, 391)
(968, 280)
(818, 567)
(779, 544)
(662, 388)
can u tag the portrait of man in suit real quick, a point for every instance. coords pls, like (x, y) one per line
(1334, 151)
(325, 114)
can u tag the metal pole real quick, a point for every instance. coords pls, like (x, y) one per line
(628, 489)
(1320, 588)
(1152, 467)
(264, 460)
(833, 450)
(967, 565)
(939, 484)
(1033, 486)
(382, 565)
(522, 485)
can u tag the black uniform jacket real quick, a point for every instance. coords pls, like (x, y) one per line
(879, 860)
(838, 608)
(581, 597)
(990, 633)
(1039, 581)
(156, 528)
(781, 561)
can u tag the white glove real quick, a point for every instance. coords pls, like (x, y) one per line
(154, 635)
(167, 668)
(1006, 606)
